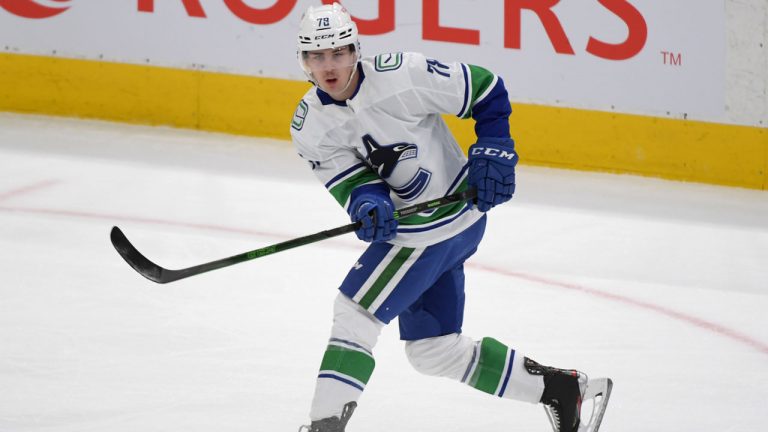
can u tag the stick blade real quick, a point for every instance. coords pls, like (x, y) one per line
(135, 259)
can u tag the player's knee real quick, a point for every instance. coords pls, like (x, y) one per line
(354, 324)
(446, 356)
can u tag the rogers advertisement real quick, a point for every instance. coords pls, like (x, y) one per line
(661, 58)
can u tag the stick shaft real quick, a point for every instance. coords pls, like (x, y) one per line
(158, 274)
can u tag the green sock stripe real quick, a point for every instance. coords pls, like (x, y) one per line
(385, 277)
(490, 367)
(355, 364)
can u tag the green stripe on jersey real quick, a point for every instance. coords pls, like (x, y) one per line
(342, 190)
(355, 364)
(490, 367)
(385, 277)
(481, 79)
(440, 213)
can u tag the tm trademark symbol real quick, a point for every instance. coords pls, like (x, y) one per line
(672, 58)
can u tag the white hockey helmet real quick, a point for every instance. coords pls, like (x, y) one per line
(324, 27)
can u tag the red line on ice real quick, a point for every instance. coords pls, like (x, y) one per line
(689, 319)
(627, 301)
(27, 189)
(140, 220)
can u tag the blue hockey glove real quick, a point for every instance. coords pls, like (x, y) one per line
(492, 171)
(376, 214)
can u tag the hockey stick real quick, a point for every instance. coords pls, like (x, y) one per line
(161, 275)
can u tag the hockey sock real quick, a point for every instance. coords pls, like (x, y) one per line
(499, 370)
(487, 365)
(348, 361)
(344, 373)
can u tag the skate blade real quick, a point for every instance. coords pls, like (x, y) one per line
(595, 402)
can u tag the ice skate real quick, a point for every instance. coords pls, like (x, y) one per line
(332, 424)
(565, 392)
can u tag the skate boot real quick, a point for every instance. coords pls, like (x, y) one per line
(563, 395)
(332, 424)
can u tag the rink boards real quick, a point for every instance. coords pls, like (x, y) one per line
(550, 136)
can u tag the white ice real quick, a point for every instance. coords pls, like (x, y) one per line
(662, 286)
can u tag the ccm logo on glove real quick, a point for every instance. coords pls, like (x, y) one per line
(491, 170)
(502, 153)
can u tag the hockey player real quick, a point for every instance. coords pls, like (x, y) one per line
(371, 130)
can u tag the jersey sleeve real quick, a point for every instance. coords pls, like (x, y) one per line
(337, 167)
(464, 90)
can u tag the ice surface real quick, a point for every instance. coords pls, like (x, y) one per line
(662, 286)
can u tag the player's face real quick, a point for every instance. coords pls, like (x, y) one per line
(331, 68)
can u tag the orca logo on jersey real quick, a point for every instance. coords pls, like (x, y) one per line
(384, 158)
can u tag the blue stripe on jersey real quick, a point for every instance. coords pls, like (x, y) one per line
(492, 113)
(509, 372)
(343, 174)
(458, 179)
(466, 92)
(431, 227)
(344, 380)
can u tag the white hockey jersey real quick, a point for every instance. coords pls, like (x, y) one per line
(390, 131)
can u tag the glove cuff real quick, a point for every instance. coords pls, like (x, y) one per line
(374, 193)
(500, 141)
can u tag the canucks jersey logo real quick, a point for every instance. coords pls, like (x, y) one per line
(385, 158)
(415, 186)
(409, 182)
